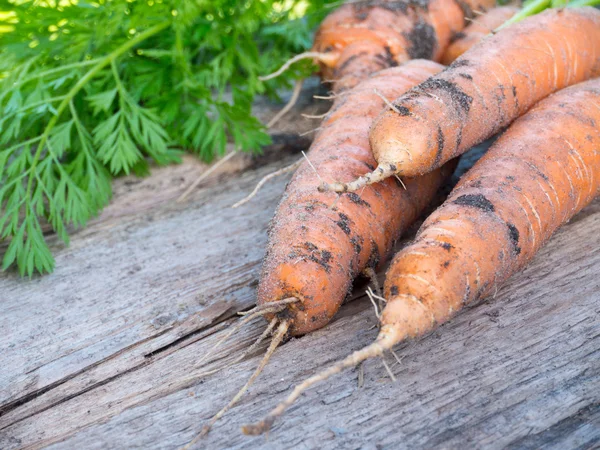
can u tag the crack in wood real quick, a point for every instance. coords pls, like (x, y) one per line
(7, 407)
(191, 337)
(74, 395)
(588, 415)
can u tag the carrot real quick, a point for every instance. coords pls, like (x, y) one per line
(361, 38)
(318, 242)
(482, 92)
(480, 28)
(536, 177)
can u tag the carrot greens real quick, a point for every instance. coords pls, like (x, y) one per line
(93, 90)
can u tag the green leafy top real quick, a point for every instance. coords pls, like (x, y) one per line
(532, 7)
(92, 90)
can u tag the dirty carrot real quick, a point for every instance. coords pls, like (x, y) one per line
(360, 38)
(482, 92)
(320, 243)
(535, 178)
(479, 28)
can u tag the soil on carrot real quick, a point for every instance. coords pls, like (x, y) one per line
(422, 41)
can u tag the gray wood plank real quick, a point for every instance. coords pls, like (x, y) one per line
(103, 353)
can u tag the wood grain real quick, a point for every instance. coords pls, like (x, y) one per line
(103, 353)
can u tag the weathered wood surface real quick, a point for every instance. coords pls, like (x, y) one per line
(103, 353)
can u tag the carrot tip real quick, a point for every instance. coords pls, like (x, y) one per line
(382, 172)
(333, 187)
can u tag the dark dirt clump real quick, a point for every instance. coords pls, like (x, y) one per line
(456, 36)
(440, 143)
(387, 58)
(344, 223)
(476, 201)
(356, 245)
(459, 63)
(321, 257)
(348, 62)
(402, 110)
(422, 41)
(375, 256)
(458, 97)
(514, 237)
(355, 198)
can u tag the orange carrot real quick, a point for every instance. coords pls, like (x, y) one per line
(361, 38)
(536, 177)
(482, 92)
(320, 242)
(476, 31)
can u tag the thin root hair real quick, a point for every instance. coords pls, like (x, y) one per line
(386, 101)
(289, 105)
(312, 166)
(377, 296)
(388, 369)
(370, 273)
(204, 176)
(335, 202)
(306, 55)
(285, 301)
(370, 295)
(371, 351)
(310, 131)
(318, 116)
(277, 339)
(245, 353)
(326, 97)
(400, 180)
(267, 308)
(396, 357)
(266, 178)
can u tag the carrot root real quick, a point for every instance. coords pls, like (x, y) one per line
(325, 58)
(460, 107)
(289, 105)
(265, 179)
(382, 172)
(261, 310)
(204, 175)
(277, 339)
(387, 339)
(372, 276)
(245, 353)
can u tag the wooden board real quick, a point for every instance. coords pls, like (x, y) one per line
(104, 352)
